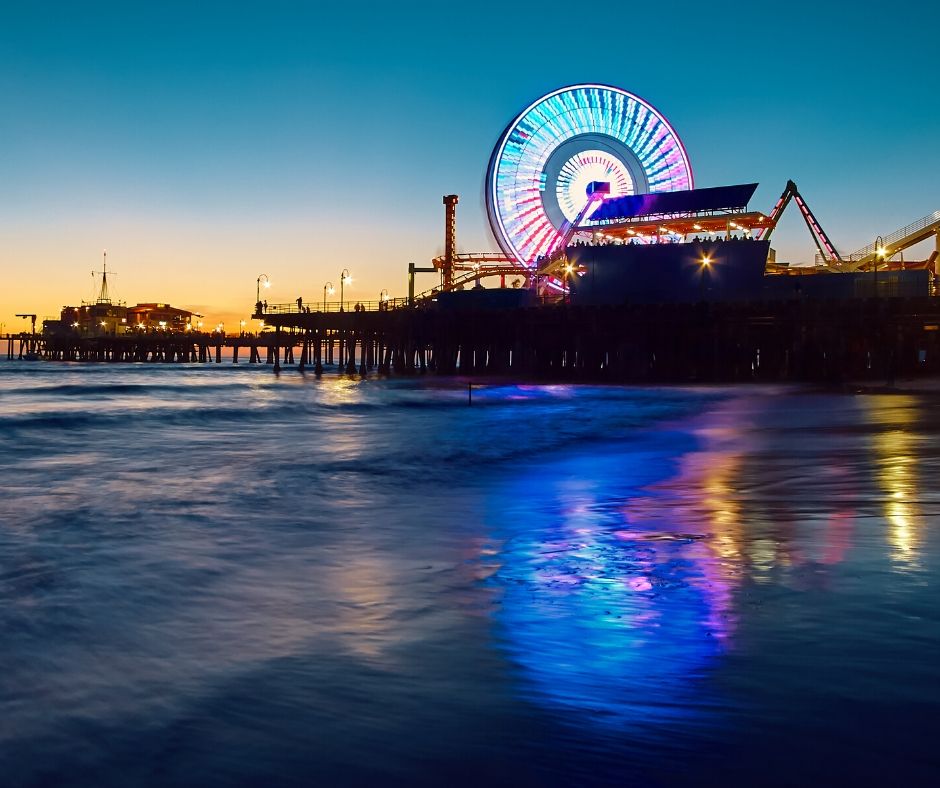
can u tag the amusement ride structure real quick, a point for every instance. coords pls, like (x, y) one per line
(560, 156)
(594, 164)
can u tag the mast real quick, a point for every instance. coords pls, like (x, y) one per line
(103, 296)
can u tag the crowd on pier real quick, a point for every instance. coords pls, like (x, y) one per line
(662, 239)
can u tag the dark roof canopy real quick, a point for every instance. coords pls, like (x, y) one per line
(715, 198)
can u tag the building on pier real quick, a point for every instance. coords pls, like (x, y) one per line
(104, 317)
(161, 317)
(90, 319)
(107, 319)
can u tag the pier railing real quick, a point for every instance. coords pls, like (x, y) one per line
(349, 305)
(898, 240)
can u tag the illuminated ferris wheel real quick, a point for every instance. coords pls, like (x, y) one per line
(544, 161)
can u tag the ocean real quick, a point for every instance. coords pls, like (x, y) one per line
(215, 576)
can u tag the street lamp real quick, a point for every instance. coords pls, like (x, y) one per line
(706, 261)
(880, 252)
(383, 299)
(267, 284)
(327, 289)
(569, 270)
(344, 279)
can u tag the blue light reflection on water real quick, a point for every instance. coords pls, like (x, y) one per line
(608, 620)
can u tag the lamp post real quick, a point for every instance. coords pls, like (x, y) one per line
(706, 262)
(879, 255)
(569, 270)
(327, 288)
(344, 279)
(383, 299)
(267, 284)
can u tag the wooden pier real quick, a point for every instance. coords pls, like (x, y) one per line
(876, 338)
(155, 347)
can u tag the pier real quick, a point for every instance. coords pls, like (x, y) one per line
(875, 338)
(178, 347)
(799, 340)
(776, 341)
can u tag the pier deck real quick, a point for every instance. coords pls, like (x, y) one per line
(778, 340)
(875, 338)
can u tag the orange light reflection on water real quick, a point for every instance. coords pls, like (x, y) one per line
(894, 446)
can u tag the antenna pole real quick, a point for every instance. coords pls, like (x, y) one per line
(104, 297)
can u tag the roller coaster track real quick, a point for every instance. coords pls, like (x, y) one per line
(478, 260)
(475, 274)
(895, 242)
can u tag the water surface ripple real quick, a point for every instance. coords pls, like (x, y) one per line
(214, 576)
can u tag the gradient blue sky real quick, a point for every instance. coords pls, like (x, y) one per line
(205, 143)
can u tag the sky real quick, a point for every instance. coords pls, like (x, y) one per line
(203, 144)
